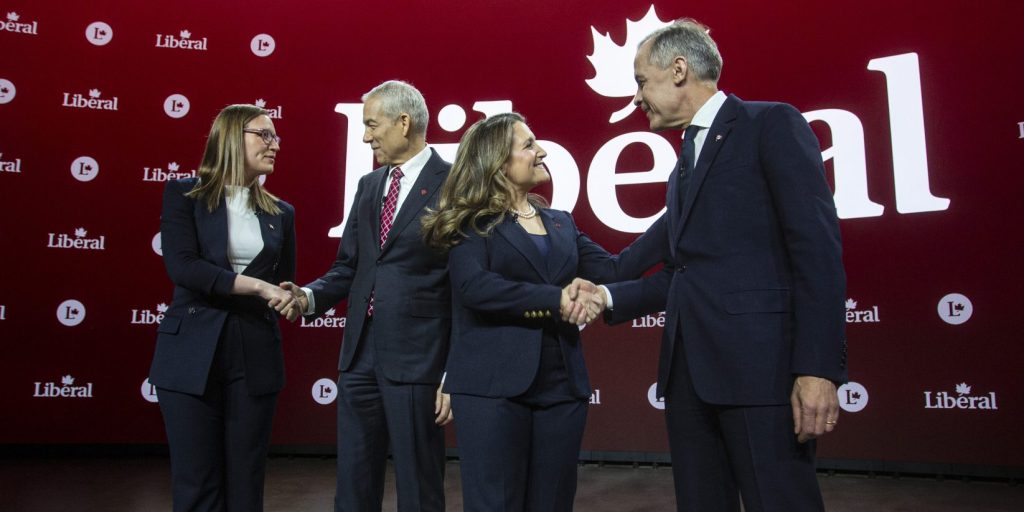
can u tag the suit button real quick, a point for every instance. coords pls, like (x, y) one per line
(275, 265)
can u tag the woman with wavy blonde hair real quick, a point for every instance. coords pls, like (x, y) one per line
(218, 364)
(516, 373)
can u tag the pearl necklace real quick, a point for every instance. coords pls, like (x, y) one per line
(524, 215)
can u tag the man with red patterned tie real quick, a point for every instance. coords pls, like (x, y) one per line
(399, 315)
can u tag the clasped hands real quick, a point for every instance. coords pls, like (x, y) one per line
(288, 299)
(582, 302)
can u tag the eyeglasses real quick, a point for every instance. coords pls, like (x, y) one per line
(268, 136)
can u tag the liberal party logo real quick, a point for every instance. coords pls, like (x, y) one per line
(80, 240)
(648, 321)
(262, 45)
(66, 389)
(71, 312)
(327, 320)
(99, 33)
(856, 316)
(176, 106)
(3, 312)
(85, 168)
(652, 397)
(14, 24)
(853, 397)
(148, 391)
(10, 165)
(157, 244)
(324, 391)
(149, 317)
(955, 309)
(613, 64)
(173, 172)
(94, 101)
(184, 41)
(7, 91)
(595, 397)
(273, 113)
(960, 399)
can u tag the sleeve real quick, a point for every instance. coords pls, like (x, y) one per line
(286, 265)
(480, 288)
(598, 265)
(791, 159)
(180, 242)
(334, 285)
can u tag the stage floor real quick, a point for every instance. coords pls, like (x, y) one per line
(307, 484)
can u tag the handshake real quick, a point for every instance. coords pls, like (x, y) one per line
(582, 302)
(287, 299)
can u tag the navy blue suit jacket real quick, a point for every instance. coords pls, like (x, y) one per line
(412, 297)
(504, 296)
(754, 279)
(195, 245)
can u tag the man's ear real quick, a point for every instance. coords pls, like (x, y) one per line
(679, 70)
(406, 123)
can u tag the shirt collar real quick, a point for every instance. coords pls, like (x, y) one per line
(707, 112)
(414, 165)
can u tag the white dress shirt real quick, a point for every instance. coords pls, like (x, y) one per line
(410, 172)
(245, 240)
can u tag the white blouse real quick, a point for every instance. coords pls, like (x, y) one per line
(245, 240)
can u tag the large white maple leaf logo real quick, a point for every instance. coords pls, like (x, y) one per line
(613, 64)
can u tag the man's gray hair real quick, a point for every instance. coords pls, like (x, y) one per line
(397, 97)
(689, 39)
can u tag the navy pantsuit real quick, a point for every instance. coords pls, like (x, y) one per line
(218, 363)
(753, 290)
(516, 372)
(391, 365)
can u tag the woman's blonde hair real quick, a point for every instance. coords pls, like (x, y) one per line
(476, 195)
(224, 161)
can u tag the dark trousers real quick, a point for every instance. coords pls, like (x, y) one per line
(521, 453)
(722, 452)
(219, 440)
(373, 413)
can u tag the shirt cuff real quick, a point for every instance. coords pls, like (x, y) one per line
(311, 304)
(609, 304)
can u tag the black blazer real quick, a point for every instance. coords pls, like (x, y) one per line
(754, 276)
(195, 243)
(505, 295)
(412, 305)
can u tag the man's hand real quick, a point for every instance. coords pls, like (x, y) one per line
(443, 408)
(582, 302)
(299, 301)
(815, 407)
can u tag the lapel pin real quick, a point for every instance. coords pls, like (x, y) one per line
(271, 226)
(718, 137)
(423, 191)
(558, 226)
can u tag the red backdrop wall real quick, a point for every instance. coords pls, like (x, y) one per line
(919, 113)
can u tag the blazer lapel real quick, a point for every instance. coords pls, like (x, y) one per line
(562, 244)
(716, 136)
(421, 192)
(213, 231)
(270, 229)
(518, 238)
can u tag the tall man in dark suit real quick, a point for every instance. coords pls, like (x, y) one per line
(399, 315)
(753, 286)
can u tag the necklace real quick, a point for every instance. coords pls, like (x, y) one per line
(524, 215)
